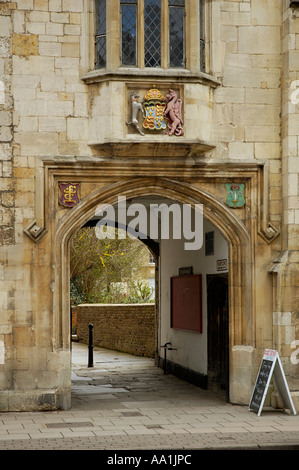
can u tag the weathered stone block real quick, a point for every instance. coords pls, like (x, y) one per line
(7, 199)
(242, 374)
(5, 134)
(252, 40)
(36, 28)
(52, 124)
(241, 150)
(5, 118)
(77, 129)
(266, 13)
(39, 16)
(25, 4)
(68, 148)
(60, 108)
(55, 5)
(4, 26)
(25, 44)
(60, 17)
(54, 29)
(4, 47)
(51, 49)
(43, 144)
(33, 65)
(70, 50)
(72, 5)
(41, 5)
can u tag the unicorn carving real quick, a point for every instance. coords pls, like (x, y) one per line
(173, 113)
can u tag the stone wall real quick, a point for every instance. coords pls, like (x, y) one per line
(130, 328)
(244, 112)
(7, 215)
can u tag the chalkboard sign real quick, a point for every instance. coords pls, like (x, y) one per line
(261, 384)
(270, 366)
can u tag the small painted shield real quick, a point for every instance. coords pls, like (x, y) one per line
(235, 195)
(154, 119)
(69, 194)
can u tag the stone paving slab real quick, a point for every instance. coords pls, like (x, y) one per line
(122, 441)
(166, 414)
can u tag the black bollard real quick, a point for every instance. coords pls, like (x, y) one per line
(167, 348)
(165, 356)
(90, 346)
(165, 360)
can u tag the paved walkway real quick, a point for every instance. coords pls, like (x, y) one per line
(126, 403)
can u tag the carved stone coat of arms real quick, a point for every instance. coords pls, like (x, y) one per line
(154, 106)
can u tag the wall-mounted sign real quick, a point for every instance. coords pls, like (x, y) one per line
(186, 303)
(186, 271)
(69, 194)
(270, 366)
(221, 264)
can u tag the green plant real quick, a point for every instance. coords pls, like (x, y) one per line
(105, 270)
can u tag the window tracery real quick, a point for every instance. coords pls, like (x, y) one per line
(149, 33)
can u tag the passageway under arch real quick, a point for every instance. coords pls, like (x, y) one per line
(187, 355)
(188, 352)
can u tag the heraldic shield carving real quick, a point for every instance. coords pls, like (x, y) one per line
(235, 195)
(154, 106)
(69, 194)
(159, 113)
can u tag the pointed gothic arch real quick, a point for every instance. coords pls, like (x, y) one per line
(233, 230)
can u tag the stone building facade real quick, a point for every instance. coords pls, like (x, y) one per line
(68, 69)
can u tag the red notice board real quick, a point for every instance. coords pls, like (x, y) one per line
(186, 302)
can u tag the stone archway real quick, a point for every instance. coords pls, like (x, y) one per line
(234, 231)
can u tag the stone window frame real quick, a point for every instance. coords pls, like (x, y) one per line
(193, 42)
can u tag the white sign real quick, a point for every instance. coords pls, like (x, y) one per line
(221, 264)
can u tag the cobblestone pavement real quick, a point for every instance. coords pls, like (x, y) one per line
(126, 403)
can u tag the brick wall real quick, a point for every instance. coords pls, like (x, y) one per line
(129, 328)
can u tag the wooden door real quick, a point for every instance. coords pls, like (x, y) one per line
(218, 341)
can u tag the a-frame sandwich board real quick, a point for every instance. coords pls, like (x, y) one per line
(270, 366)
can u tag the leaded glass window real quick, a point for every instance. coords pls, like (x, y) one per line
(202, 35)
(129, 32)
(176, 33)
(152, 33)
(100, 34)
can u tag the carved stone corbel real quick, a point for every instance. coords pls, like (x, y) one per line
(269, 233)
(34, 231)
(267, 230)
